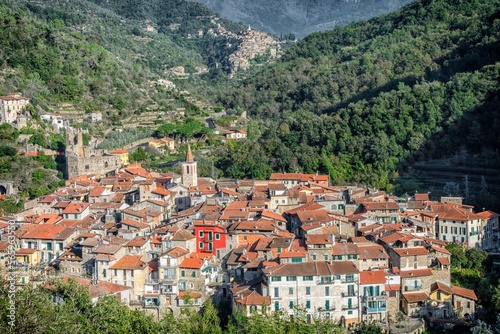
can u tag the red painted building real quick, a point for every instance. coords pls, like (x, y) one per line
(211, 237)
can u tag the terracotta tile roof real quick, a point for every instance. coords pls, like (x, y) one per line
(444, 261)
(450, 211)
(372, 252)
(237, 205)
(372, 277)
(49, 199)
(319, 239)
(97, 191)
(344, 248)
(182, 235)
(192, 263)
(176, 252)
(414, 297)
(99, 288)
(156, 239)
(104, 257)
(292, 177)
(25, 251)
(393, 237)
(273, 215)
(135, 224)
(161, 191)
(441, 250)
(306, 207)
(90, 242)
(130, 262)
(488, 214)
(234, 215)
(189, 294)
(75, 208)
(411, 251)
(313, 268)
(289, 255)
(254, 298)
(4, 246)
(441, 287)
(311, 216)
(118, 151)
(107, 249)
(380, 206)
(137, 242)
(69, 256)
(421, 197)
(49, 232)
(415, 273)
(463, 292)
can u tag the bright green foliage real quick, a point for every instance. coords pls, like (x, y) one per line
(373, 96)
(138, 155)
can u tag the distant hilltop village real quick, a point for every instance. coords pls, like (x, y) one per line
(166, 242)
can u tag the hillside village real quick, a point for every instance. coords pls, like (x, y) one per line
(163, 242)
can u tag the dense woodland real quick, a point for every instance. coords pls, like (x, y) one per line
(365, 101)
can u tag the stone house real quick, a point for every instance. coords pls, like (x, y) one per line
(50, 240)
(324, 290)
(130, 270)
(11, 105)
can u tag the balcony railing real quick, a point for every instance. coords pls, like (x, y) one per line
(375, 298)
(154, 303)
(349, 294)
(375, 309)
(325, 281)
(349, 306)
(152, 281)
(136, 303)
(413, 287)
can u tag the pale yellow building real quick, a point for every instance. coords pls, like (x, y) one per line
(123, 154)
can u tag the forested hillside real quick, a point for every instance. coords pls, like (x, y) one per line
(301, 17)
(364, 101)
(98, 56)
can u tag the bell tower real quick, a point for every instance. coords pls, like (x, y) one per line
(189, 170)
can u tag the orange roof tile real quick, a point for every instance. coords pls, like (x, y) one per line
(191, 263)
(463, 292)
(411, 251)
(372, 277)
(415, 273)
(414, 297)
(130, 262)
(75, 208)
(189, 294)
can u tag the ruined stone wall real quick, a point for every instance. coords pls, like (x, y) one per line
(97, 165)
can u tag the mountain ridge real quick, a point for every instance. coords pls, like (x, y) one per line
(283, 17)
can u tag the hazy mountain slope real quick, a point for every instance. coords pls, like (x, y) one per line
(360, 101)
(301, 17)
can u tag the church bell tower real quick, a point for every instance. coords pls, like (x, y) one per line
(189, 170)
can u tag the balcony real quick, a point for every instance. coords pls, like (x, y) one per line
(349, 306)
(152, 281)
(381, 297)
(152, 303)
(380, 309)
(325, 281)
(348, 294)
(136, 303)
(349, 280)
(413, 287)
